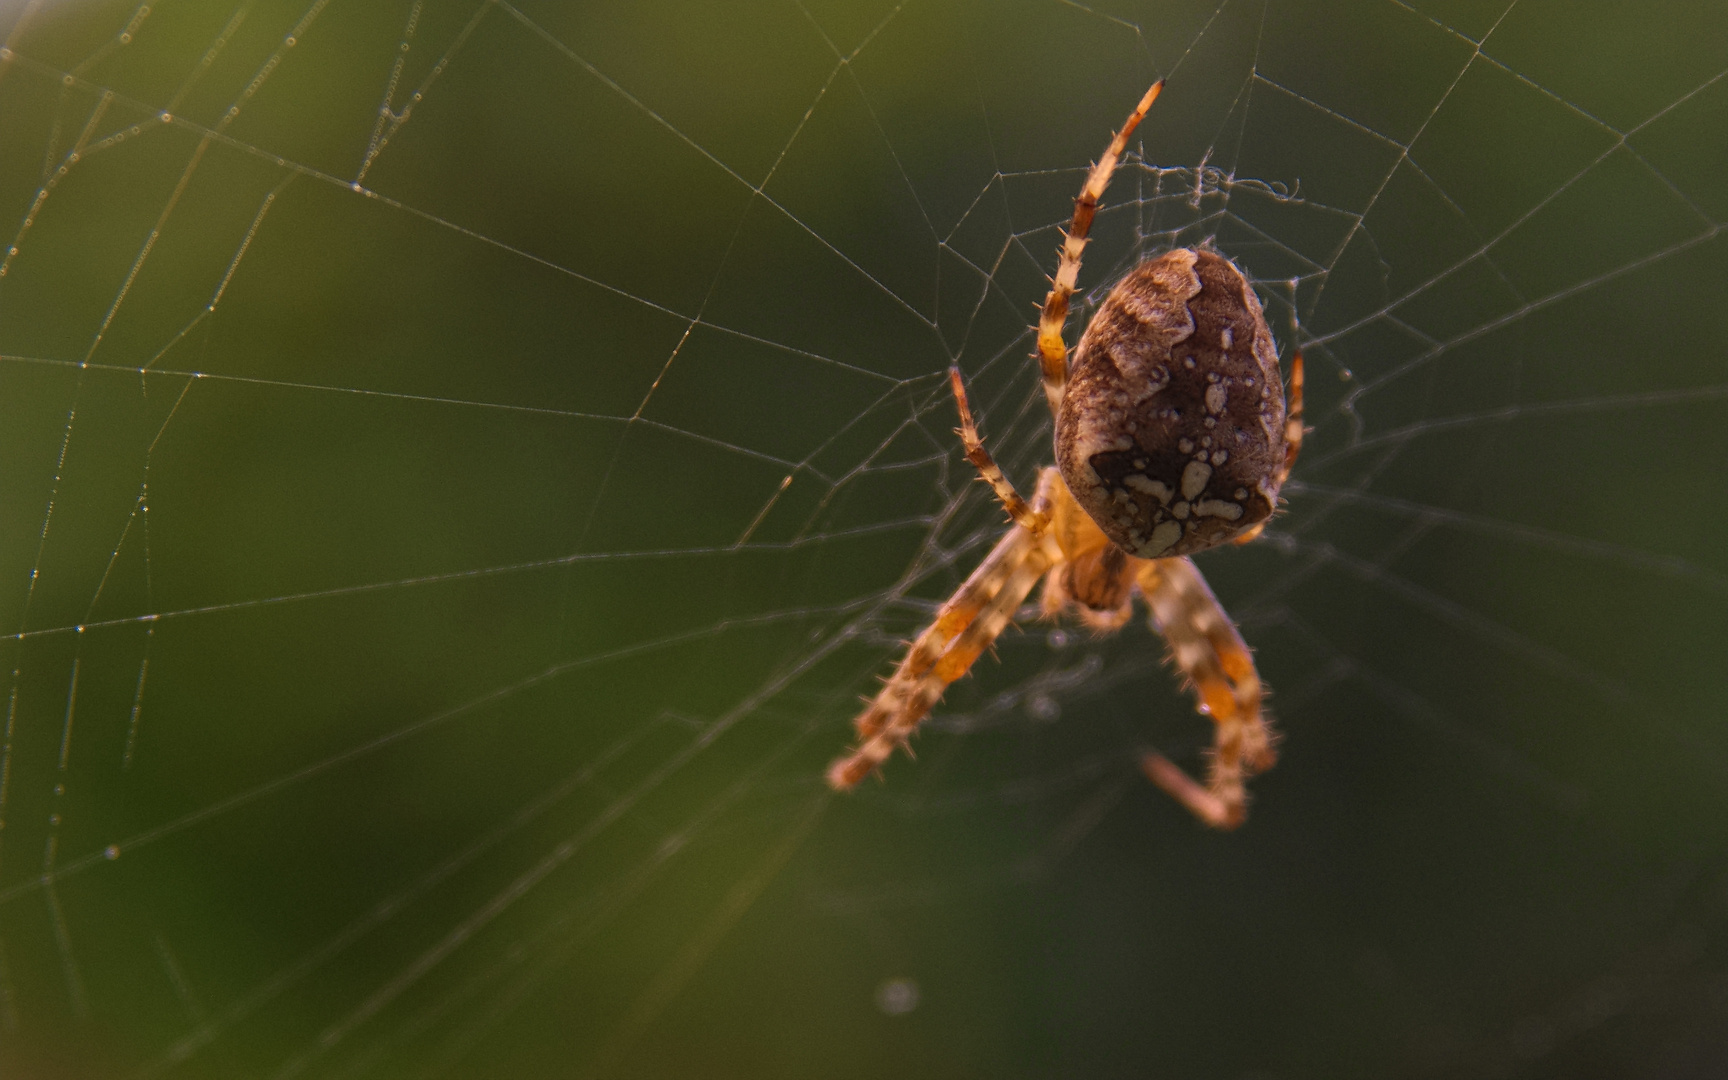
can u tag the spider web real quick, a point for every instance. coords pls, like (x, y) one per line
(463, 461)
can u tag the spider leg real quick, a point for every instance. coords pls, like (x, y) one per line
(1207, 649)
(1293, 429)
(889, 721)
(1293, 432)
(1052, 350)
(1035, 521)
(954, 616)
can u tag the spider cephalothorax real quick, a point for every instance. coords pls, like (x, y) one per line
(1172, 437)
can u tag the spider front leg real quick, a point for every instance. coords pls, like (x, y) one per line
(1052, 349)
(1207, 650)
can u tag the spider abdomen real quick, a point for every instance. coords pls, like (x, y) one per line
(1171, 433)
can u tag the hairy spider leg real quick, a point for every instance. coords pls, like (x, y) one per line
(942, 652)
(1206, 648)
(1052, 349)
(914, 700)
(954, 616)
(1035, 521)
(1293, 432)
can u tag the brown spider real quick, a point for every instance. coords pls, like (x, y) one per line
(1171, 437)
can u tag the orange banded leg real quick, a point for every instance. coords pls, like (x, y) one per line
(1052, 350)
(914, 695)
(1205, 646)
(1035, 521)
(954, 616)
(1293, 429)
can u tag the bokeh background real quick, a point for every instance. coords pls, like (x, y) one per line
(461, 462)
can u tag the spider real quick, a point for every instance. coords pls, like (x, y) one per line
(1172, 436)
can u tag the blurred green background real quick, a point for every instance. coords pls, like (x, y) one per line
(461, 462)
